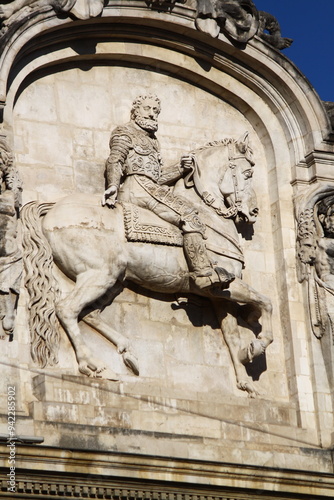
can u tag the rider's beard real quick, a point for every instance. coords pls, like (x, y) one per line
(147, 124)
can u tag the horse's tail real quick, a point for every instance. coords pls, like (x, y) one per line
(41, 285)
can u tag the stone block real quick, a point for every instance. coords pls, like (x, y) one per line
(39, 102)
(42, 388)
(184, 346)
(107, 417)
(84, 170)
(80, 110)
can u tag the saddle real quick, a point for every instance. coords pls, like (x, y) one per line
(145, 226)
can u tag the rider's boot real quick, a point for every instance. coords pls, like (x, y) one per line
(200, 265)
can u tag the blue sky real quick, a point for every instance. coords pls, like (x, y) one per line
(311, 25)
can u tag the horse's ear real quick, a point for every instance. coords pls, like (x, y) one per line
(243, 142)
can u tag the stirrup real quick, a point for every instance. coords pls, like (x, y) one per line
(225, 277)
(202, 273)
(202, 282)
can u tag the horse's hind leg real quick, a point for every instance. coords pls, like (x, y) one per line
(90, 286)
(94, 320)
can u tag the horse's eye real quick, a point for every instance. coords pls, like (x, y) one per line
(248, 174)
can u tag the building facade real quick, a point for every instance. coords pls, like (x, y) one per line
(166, 255)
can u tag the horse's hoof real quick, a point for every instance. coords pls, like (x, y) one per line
(91, 367)
(131, 362)
(249, 388)
(107, 374)
(84, 370)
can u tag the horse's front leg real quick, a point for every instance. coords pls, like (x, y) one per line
(94, 320)
(242, 293)
(226, 314)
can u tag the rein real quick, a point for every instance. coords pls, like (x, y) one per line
(220, 208)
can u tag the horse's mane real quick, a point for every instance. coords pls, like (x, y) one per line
(222, 142)
(248, 153)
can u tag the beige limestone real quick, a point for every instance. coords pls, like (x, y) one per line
(184, 406)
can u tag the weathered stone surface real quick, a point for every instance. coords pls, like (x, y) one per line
(67, 86)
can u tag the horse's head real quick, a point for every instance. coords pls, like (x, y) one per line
(223, 178)
(236, 182)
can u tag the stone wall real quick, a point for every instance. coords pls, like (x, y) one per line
(69, 83)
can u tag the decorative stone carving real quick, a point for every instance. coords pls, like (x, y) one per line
(270, 31)
(240, 20)
(164, 4)
(10, 254)
(135, 158)
(87, 242)
(315, 250)
(17, 12)
(236, 18)
(329, 106)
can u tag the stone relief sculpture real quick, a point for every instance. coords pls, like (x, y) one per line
(315, 249)
(315, 265)
(16, 12)
(329, 107)
(270, 31)
(240, 20)
(237, 18)
(135, 157)
(10, 253)
(149, 229)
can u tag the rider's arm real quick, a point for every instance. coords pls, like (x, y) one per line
(171, 174)
(119, 149)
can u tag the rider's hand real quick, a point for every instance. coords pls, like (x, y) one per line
(110, 196)
(187, 162)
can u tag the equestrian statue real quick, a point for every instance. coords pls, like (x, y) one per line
(168, 229)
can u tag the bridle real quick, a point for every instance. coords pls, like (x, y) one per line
(208, 198)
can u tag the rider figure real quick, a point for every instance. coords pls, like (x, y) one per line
(135, 173)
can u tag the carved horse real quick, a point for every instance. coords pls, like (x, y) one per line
(87, 243)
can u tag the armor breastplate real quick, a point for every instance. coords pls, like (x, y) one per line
(144, 157)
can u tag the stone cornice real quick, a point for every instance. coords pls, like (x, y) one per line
(70, 469)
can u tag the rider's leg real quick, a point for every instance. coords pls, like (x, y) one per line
(184, 215)
(196, 255)
(193, 240)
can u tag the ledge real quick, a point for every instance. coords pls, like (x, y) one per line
(112, 470)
